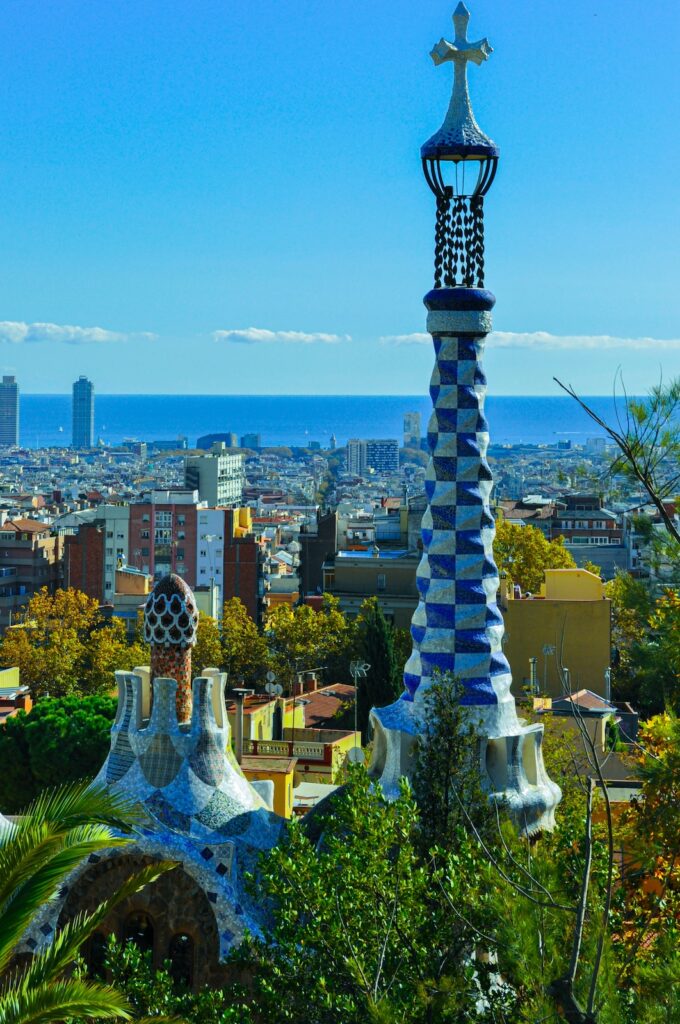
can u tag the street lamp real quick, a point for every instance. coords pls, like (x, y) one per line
(358, 670)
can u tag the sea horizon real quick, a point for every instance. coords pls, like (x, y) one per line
(297, 420)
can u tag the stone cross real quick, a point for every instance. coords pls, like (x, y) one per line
(460, 128)
(460, 50)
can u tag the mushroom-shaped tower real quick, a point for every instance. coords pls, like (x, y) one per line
(171, 755)
(457, 626)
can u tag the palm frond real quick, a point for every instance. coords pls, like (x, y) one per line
(74, 997)
(80, 803)
(61, 953)
(41, 886)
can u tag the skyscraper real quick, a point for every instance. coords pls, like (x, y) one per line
(9, 411)
(83, 413)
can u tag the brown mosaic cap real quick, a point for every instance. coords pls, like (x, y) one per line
(170, 614)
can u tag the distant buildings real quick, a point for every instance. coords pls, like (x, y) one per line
(9, 412)
(29, 560)
(83, 414)
(381, 456)
(217, 477)
(214, 549)
(229, 440)
(253, 441)
(412, 430)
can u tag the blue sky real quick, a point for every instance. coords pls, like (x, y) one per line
(177, 174)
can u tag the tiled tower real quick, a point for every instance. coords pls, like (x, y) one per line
(457, 626)
(171, 756)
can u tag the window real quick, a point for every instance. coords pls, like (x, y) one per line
(181, 957)
(203, 520)
(146, 517)
(204, 553)
(144, 534)
(145, 552)
(95, 955)
(381, 581)
(139, 929)
(181, 535)
(109, 551)
(181, 520)
(109, 533)
(180, 554)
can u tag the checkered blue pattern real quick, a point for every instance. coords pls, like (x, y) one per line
(457, 626)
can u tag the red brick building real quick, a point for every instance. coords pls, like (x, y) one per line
(84, 561)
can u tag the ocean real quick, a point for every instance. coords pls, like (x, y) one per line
(296, 420)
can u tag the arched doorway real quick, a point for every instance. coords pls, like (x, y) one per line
(174, 905)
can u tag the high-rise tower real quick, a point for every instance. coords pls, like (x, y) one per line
(9, 411)
(457, 627)
(83, 413)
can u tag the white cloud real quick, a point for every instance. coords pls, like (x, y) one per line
(418, 338)
(259, 335)
(543, 340)
(15, 332)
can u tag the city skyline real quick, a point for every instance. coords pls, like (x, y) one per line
(183, 218)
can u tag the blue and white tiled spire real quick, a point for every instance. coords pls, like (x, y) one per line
(457, 627)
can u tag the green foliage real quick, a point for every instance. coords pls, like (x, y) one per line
(207, 651)
(447, 780)
(382, 683)
(301, 638)
(366, 930)
(66, 646)
(244, 650)
(646, 645)
(524, 554)
(64, 738)
(153, 993)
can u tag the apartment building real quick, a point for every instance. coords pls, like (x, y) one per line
(30, 559)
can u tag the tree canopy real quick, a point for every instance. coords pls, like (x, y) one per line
(523, 553)
(65, 738)
(67, 646)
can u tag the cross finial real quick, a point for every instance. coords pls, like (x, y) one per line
(460, 132)
(460, 49)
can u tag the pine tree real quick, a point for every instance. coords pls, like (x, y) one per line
(382, 683)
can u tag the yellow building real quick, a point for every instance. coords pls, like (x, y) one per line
(280, 771)
(265, 718)
(571, 616)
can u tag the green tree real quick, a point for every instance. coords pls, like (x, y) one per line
(36, 855)
(64, 738)
(153, 994)
(382, 683)
(524, 554)
(364, 930)
(207, 651)
(67, 646)
(244, 648)
(302, 637)
(447, 781)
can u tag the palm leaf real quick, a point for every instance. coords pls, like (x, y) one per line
(35, 848)
(41, 887)
(74, 997)
(81, 803)
(62, 951)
